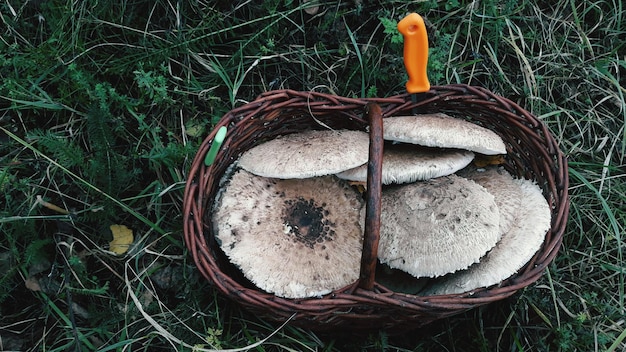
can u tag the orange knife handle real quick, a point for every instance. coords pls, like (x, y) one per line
(413, 30)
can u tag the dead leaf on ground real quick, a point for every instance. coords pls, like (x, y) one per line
(80, 311)
(122, 239)
(169, 277)
(32, 284)
(486, 160)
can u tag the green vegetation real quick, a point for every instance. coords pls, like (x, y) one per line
(103, 105)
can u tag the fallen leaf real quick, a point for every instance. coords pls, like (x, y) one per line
(80, 311)
(38, 266)
(147, 297)
(195, 128)
(168, 278)
(32, 284)
(122, 238)
(486, 160)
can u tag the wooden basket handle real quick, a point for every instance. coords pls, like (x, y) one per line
(373, 203)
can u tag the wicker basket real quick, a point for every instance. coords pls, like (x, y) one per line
(532, 153)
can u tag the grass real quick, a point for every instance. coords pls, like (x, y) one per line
(102, 106)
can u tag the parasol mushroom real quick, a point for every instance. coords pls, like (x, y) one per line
(512, 252)
(294, 238)
(307, 154)
(502, 186)
(435, 227)
(441, 130)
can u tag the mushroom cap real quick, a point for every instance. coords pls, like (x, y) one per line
(504, 188)
(404, 163)
(307, 154)
(293, 238)
(435, 227)
(512, 252)
(441, 130)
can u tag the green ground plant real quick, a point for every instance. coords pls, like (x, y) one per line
(103, 105)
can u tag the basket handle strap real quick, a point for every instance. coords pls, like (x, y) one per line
(373, 204)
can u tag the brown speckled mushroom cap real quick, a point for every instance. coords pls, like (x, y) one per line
(441, 130)
(504, 188)
(431, 228)
(294, 238)
(307, 154)
(404, 163)
(512, 252)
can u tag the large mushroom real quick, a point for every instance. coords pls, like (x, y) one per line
(435, 227)
(504, 188)
(512, 252)
(307, 154)
(294, 238)
(441, 130)
(405, 163)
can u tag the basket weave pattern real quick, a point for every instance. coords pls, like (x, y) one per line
(532, 153)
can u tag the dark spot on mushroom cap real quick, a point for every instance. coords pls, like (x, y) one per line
(307, 222)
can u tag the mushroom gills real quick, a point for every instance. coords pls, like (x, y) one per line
(405, 163)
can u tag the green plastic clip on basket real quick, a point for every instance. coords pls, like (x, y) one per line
(530, 155)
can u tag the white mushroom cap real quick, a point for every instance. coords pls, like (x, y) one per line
(503, 187)
(514, 250)
(435, 227)
(440, 130)
(293, 238)
(307, 154)
(404, 163)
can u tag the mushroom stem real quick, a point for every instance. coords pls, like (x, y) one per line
(374, 190)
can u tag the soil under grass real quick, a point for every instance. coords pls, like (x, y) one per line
(104, 104)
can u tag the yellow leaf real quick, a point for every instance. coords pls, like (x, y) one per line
(122, 238)
(485, 160)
